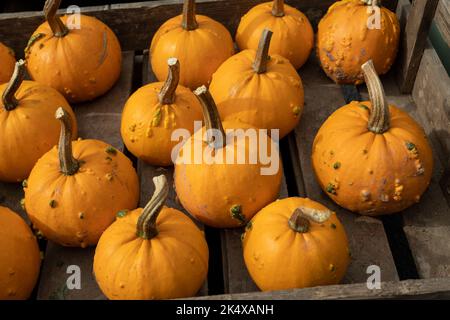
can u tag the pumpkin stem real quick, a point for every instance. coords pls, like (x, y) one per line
(67, 163)
(167, 93)
(58, 27)
(9, 100)
(213, 123)
(189, 22)
(379, 118)
(371, 2)
(262, 54)
(278, 8)
(146, 225)
(300, 219)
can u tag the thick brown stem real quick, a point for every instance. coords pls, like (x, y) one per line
(215, 134)
(278, 8)
(146, 225)
(68, 165)
(57, 26)
(167, 93)
(379, 119)
(262, 54)
(189, 22)
(9, 95)
(300, 219)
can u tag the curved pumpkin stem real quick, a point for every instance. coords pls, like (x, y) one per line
(379, 119)
(262, 54)
(167, 93)
(8, 98)
(300, 219)
(213, 123)
(146, 225)
(67, 163)
(59, 29)
(189, 22)
(278, 8)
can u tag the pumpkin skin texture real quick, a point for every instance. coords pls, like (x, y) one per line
(7, 63)
(20, 258)
(172, 262)
(200, 50)
(278, 257)
(372, 173)
(293, 35)
(344, 41)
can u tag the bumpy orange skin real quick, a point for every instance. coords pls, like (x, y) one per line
(344, 41)
(74, 210)
(293, 35)
(20, 259)
(279, 258)
(270, 100)
(200, 51)
(29, 130)
(82, 65)
(147, 125)
(174, 264)
(377, 173)
(7, 63)
(210, 191)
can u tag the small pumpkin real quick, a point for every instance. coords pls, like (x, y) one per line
(81, 63)
(348, 36)
(295, 243)
(371, 157)
(261, 90)
(20, 259)
(154, 112)
(152, 253)
(293, 35)
(219, 192)
(75, 190)
(28, 128)
(8, 61)
(200, 43)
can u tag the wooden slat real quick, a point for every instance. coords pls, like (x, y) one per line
(10, 196)
(442, 20)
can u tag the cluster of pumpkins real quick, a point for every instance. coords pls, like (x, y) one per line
(369, 157)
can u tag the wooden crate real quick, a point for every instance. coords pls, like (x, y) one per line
(418, 238)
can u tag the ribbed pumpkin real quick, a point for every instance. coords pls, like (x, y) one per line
(200, 43)
(345, 42)
(154, 112)
(73, 197)
(295, 243)
(20, 258)
(28, 127)
(151, 253)
(261, 90)
(80, 63)
(7, 63)
(371, 157)
(219, 192)
(293, 35)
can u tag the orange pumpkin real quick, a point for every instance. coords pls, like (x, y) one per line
(371, 157)
(28, 128)
(265, 92)
(73, 197)
(7, 63)
(295, 243)
(152, 253)
(200, 43)
(293, 35)
(20, 258)
(351, 33)
(154, 112)
(220, 192)
(81, 63)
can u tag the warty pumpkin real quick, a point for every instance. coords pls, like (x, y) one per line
(154, 112)
(20, 258)
(371, 157)
(81, 63)
(28, 127)
(152, 253)
(219, 192)
(345, 42)
(295, 243)
(200, 43)
(293, 35)
(7, 63)
(75, 190)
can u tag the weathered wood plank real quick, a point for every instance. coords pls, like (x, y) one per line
(442, 20)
